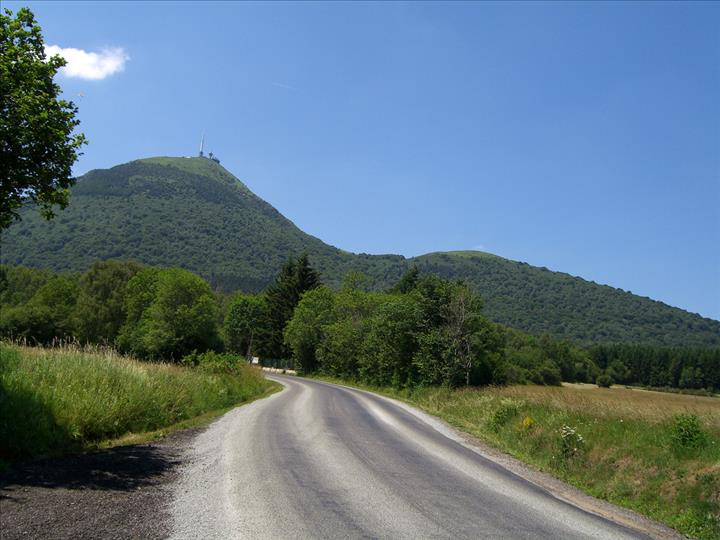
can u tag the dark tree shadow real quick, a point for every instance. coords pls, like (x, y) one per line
(125, 468)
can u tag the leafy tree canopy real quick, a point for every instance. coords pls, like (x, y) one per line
(37, 144)
(305, 330)
(170, 313)
(244, 316)
(100, 310)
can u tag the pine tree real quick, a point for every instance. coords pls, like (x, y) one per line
(295, 278)
(407, 282)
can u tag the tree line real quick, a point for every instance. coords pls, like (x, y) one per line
(425, 330)
(649, 365)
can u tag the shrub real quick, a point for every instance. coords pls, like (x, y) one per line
(686, 432)
(508, 408)
(526, 424)
(550, 375)
(213, 362)
(571, 442)
(604, 381)
(507, 373)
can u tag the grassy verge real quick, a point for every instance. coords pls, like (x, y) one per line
(66, 399)
(656, 453)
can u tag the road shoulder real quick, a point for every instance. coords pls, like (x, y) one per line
(121, 492)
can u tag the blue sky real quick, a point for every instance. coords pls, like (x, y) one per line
(582, 137)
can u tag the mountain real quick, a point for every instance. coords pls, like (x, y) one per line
(192, 213)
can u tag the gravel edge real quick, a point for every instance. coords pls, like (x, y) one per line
(121, 492)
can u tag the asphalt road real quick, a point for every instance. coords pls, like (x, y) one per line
(323, 461)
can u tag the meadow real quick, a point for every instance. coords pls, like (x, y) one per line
(54, 400)
(653, 452)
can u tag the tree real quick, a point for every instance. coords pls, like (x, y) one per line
(18, 284)
(37, 144)
(619, 372)
(170, 313)
(463, 324)
(295, 278)
(691, 378)
(338, 352)
(47, 315)
(390, 342)
(306, 278)
(407, 282)
(100, 310)
(305, 331)
(457, 344)
(243, 318)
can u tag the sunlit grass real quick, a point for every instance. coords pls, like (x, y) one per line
(619, 402)
(66, 398)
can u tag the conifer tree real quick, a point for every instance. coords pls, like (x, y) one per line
(295, 278)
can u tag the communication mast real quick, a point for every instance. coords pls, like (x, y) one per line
(210, 156)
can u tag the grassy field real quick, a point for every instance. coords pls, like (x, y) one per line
(654, 452)
(63, 399)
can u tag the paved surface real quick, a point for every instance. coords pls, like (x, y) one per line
(323, 461)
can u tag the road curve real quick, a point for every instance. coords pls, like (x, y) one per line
(323, 461)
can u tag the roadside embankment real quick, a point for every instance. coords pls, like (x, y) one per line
(655, 453)
(65, 399)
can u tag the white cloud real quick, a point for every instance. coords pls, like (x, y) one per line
(285, 86)
(89, 65)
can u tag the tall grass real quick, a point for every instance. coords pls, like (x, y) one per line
(59, 399)
(618, 402)
(656, 453)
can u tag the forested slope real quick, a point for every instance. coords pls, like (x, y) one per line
(194, 214)
(539, 301)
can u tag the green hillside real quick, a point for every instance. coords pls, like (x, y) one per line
(192, 213)
(539, 301)
(187, 212)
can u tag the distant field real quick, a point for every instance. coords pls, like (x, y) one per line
(654, 452)
(61, 399)
(620, 402)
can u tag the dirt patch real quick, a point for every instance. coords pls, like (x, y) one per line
(117, 493)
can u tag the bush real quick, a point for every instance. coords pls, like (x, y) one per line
(32, 324)
(213, 362)
(571, 442)
(604, 381)
(508, 409)
(527, 424)
(550, 375)
(686, 432)
(507, 373)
